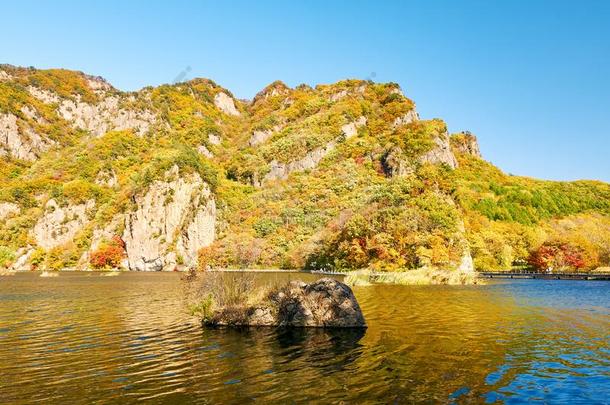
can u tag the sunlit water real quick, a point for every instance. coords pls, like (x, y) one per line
(82, 338)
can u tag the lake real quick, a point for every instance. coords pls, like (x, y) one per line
(80, 338)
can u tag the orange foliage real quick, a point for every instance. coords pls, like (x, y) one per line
(108, 254)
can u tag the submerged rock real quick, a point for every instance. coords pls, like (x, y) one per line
(324, 303)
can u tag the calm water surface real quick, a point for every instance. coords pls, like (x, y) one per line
(82, 338)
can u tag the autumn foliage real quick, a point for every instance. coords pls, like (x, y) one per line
(108, 255)
(557, 256)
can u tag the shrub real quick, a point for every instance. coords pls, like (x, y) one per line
(264, 227)
(205, 257)
(203, 309)
(38, 257)
(207, 291)
(6, 256)
(557, 256)
(109, 254)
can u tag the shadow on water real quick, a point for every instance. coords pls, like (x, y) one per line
(328, 349)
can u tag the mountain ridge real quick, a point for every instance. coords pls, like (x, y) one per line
(341, 176)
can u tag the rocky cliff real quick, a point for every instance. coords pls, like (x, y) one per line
(146, 168)
(338, 176)
(175, 218)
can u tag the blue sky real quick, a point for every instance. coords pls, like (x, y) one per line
(530, 78)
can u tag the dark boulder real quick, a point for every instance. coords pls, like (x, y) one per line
(323, 303)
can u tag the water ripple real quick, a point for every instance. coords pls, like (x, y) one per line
(83, 339)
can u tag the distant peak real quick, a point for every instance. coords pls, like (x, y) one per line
(274, 89)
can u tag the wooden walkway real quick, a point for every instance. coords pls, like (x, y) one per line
(546, 276)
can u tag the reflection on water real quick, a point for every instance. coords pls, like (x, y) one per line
(81, 338)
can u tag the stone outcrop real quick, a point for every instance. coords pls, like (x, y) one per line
(225, 103)
(214, 139)
(338, 96)
(281, 171)
(263, 135)
(350, 91)
(22, 258)
(440, 153)
(98, 84)
(466, 143)
(177, 216)
(104, 234)
(203, 150)
(325, 303)
(106, 115)
(59, 225)
(5, 76)
(106, 178)
(32, 114)
(8, 209)
(20, 142)
(260, 136)
(466, 264)
(394, 164)
(274, 89)
(408, 118)
(351, 129)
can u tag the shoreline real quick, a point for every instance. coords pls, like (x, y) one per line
(410, 277)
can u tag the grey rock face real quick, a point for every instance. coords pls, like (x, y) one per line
(5, 76)
(202, 149)
(7, 209)
(23, 256)
(280, 171)
(105, 233)
(466, 143)
(214, 139)
(21, 143)
(441, 153)
(394, 163)
(324, 303)
(225, 103)
(177, 213)
(351, 129)
(59, 224)
(408, 118)
(259, 137)
(107, 115)
(466, 263)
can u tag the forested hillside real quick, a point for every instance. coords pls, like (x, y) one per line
(341, 176)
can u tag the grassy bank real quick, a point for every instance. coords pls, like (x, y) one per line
(424, 276)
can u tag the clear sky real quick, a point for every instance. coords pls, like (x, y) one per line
(530, 78)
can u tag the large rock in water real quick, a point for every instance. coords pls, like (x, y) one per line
(324, 303)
